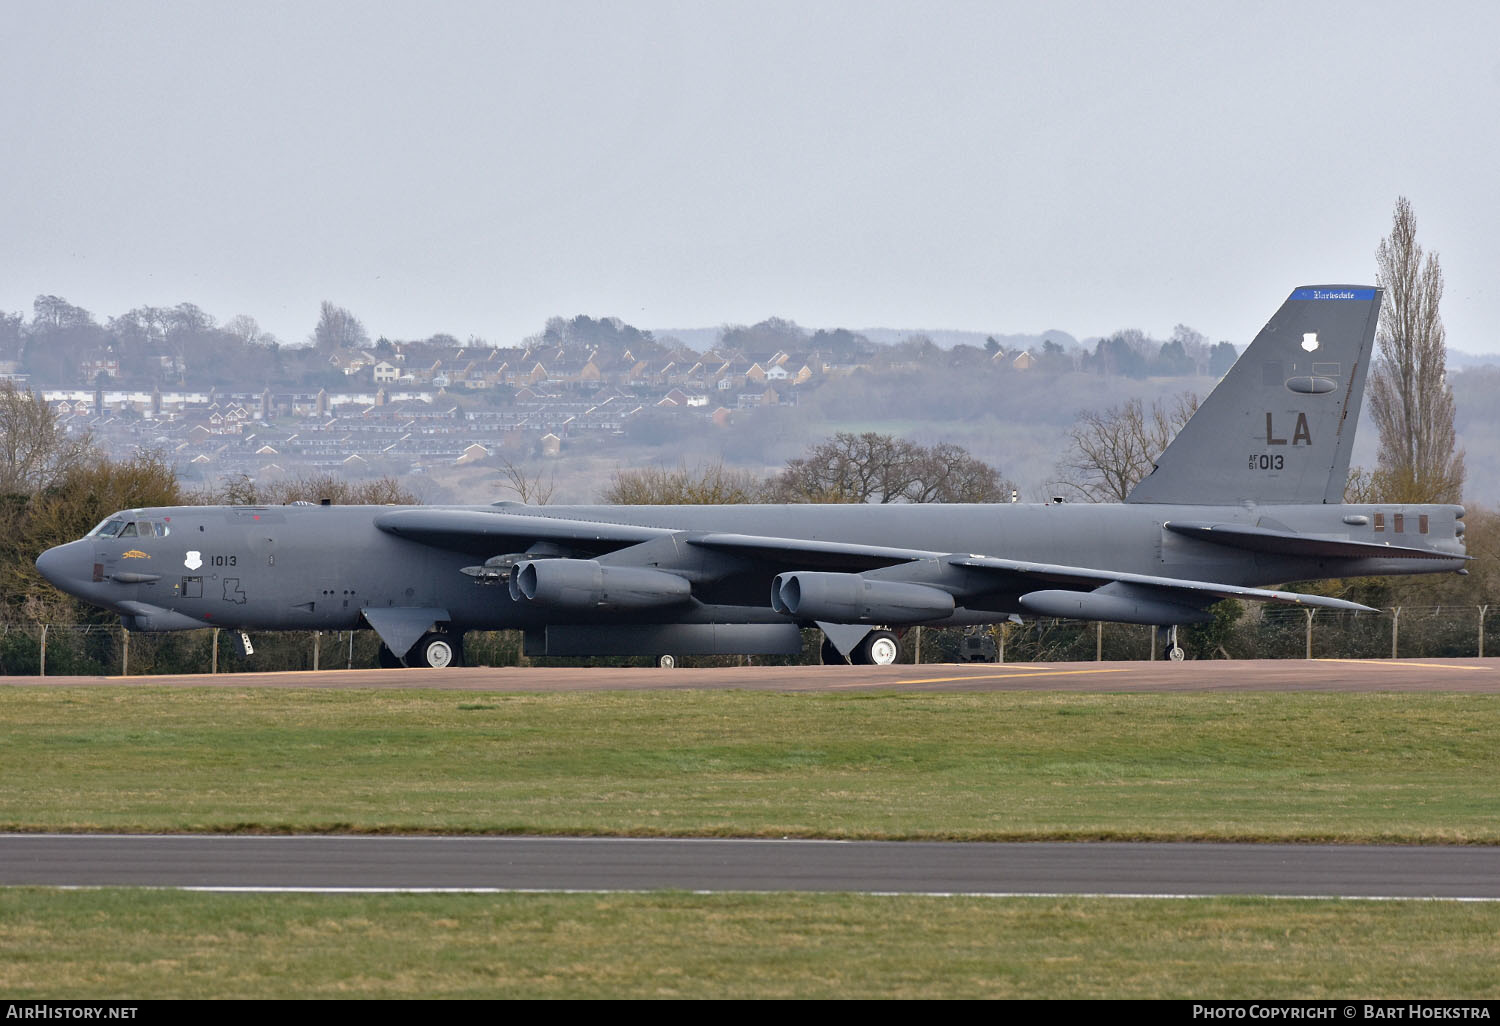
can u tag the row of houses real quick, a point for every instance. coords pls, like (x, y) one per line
(570, 367)
(389, 430)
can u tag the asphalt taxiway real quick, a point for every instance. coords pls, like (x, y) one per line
(376, 864)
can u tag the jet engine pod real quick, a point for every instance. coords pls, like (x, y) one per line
(589, 584)
(1115, 603)
(852, 598)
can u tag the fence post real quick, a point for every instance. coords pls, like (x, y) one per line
(1309, 632)
(918, 655)
(1153, 642)
(213, 665)
(1395, 622)
(1001, 652)
(43, 653)
(124, 652)
(351, 651)
(317, 643)
(1482, 611)
(1099, 642)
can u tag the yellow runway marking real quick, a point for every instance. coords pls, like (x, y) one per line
(1399, 665)
(986, 676)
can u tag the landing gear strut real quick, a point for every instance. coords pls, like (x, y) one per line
(1174, 650)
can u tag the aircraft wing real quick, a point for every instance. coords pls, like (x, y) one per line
(1043, 588)
(482, 532)
(910, 579)
(810, 553)
(1170, 589)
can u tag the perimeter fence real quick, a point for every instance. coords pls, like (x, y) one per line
(1261, 633)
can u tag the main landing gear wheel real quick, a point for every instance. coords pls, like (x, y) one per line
(880, 648)
(667, 661)
(436, 651)
(831, 654)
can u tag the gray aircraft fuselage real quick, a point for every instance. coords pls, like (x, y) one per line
(317, 567)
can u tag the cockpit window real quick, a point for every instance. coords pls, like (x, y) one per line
(109, 529)
(118, 527)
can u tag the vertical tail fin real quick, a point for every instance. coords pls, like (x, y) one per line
(1279, 428)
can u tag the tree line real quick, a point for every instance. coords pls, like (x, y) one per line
(848, 467)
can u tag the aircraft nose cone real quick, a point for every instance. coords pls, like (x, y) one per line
(62, 566)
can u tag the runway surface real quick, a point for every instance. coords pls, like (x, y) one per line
(355, 864)
(1469, 675)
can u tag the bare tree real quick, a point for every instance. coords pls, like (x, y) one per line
(851, 468)
(711, 485)
(948, 473)
(529, 486)
(243, 490)
(1410, 398)
(338, 329)
(35, 450)
(871, 467)
(1109, 452)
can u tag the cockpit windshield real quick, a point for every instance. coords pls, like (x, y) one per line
(118, 526)
(108, 529)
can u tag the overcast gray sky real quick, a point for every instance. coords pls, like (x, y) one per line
(476, 167)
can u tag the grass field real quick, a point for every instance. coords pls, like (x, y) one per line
(121, 943)
(1367, 767)
(1029, 765)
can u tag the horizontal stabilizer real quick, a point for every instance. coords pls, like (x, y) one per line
(1290, 543)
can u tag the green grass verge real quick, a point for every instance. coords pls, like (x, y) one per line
(160, 944)
(1329, 767)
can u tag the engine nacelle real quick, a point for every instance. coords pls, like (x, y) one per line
(851, 598)
(589, 584)
(1120, 607)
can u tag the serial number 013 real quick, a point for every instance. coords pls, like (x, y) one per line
(1267, 462)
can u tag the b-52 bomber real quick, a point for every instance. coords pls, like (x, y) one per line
(1248, 494)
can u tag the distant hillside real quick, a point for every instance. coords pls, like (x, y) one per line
(1463, 361)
